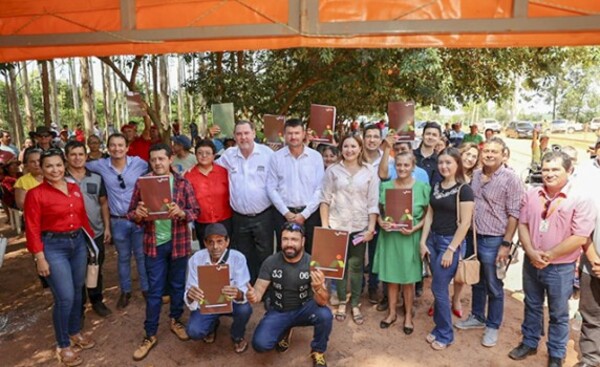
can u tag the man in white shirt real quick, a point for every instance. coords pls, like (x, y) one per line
(247, 165)
(216, 251)
(294, 183)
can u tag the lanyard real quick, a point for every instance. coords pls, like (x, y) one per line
(547, 203)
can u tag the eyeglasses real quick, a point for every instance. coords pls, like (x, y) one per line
(293, 227)
(121, 181)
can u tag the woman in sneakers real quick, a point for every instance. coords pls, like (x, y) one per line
(56, 218)
(444, 232)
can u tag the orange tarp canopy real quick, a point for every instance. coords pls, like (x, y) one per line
(44, 29)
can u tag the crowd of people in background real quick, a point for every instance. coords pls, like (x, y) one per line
(254, 206)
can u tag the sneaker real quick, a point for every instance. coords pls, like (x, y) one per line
(123, 300)
(521, 352)
(318, 359)
(179, 329)
(470, 323)
(490, 337)
(100, 309)
(142, 351)
(284, 343)
(373, 299)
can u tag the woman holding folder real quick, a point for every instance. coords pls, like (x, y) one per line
(446, 224)
(349, 203)
(397, 259)
(56, 219)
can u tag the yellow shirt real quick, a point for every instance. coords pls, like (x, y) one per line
(26, 182)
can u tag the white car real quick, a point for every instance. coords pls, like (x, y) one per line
(595, 124)
(491, 124)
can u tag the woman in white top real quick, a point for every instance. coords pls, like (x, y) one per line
(349, 202)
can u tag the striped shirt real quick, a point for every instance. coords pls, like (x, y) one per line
(496, 200)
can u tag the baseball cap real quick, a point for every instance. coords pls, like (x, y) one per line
(183, 141)
(127, 126)
(215, 229)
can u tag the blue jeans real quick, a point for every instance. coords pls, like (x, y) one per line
(67, 258)
(275, 324)
(162, 269)
(128, 238)
(556, 282)
(441, 277)
(490, 288)
(200, 325)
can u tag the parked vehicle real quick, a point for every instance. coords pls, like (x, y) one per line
(595, 124)
(563, 126)
(519, 129)
(491, 124)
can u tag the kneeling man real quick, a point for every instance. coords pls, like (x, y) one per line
(216, 251)
(299, 297)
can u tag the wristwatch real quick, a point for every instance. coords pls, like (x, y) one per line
(506, 243)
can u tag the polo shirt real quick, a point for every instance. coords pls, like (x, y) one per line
(92, 187)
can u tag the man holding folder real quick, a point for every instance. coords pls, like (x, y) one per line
(204, 325)
(167, 242)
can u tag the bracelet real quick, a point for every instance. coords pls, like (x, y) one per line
(451, 249)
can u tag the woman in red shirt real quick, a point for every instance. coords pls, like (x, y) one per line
(211, 186)
(56, 218)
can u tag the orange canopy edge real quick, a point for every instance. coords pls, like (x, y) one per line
(45, 29)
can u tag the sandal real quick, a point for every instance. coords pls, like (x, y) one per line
(340, 313)
(240, 346)
(357, 316)
(212, 336)
(436, 345)
(68, 357)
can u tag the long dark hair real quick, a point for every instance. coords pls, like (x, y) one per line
(454, 153)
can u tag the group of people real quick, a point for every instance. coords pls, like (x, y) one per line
(465, 199)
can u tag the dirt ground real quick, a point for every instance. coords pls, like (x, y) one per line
(28, 339)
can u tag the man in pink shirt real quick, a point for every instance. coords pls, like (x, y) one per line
(555, 222)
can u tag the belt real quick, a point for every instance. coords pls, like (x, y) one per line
(296, 210)
(488, 235)
(71, 234)
(118, 216)
(254, 215)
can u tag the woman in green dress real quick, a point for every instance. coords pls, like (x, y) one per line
(397, 258)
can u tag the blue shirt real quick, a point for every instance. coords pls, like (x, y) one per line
(418, 173)
(119, 198)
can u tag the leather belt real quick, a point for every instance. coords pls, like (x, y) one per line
(70, 234)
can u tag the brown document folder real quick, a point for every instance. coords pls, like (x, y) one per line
(329, 251)
(156, 195)
(401, 117)
(322, 122)
(212, 279)
(398, 208)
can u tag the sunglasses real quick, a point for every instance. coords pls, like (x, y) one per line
(293, 227)
(51, 152)
(121, 181)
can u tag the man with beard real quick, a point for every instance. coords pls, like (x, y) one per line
(167, 246)
(299, 298)
(294, 182)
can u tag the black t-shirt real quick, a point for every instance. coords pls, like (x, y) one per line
(443, 203)
(290, 283)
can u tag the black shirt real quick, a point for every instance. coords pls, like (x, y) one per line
(429, 164)
(290, 283)
(443, 203)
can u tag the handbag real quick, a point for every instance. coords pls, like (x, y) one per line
(93, 267)
(468, 269)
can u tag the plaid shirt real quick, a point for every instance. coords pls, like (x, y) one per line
(183, 196)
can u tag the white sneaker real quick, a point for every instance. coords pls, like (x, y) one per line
(470, 323)
(490, 337)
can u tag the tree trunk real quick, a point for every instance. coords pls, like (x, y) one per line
(164, 97)
(45, 92)
(74, 87)
(119, 115)
(29, 120)
(17, 126)
(155, 95)
(86, 94)
(106, 94)
(180, 89)
(54, 94)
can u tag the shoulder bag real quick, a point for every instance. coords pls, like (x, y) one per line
(468, 269)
